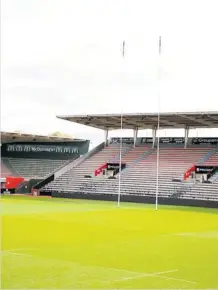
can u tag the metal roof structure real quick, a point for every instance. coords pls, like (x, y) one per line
(147, 120)
(9, 137)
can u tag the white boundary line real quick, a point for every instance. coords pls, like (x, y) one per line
(145, 275)
(18, 249)
(13, 252)
(17, 254)
(137, 274)
(158, 275)
(176, 279)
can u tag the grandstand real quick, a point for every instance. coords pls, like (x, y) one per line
(5, 170)
(65, 169)
(35, 156)
(176, 157)
(34, 168)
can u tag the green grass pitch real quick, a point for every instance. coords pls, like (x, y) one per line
(74, 244)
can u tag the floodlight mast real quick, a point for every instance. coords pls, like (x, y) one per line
(158, 126)
(121, 141)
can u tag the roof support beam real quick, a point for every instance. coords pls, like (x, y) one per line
(106, 137)
(135, 135)
(212, 117)
(154, 135)
(199, 121)
(162, 121)
(132, 123)
(186, 136)
(105, 123)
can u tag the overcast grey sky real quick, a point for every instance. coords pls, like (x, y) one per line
(64, 57)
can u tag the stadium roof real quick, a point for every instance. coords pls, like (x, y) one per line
(7, 137)
(147, 120)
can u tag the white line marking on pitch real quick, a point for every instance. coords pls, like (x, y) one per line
(155, 274)
(17, 254)
(13, 252)
(18, 249)
(158, 275)
(207, 234)
(139, 275)
(176, 279)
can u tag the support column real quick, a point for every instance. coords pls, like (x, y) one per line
(154, 135)
(106, 137)
(135, 136)
(186, 136)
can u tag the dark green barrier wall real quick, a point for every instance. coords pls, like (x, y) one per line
(44, 182)
(139, 199)
(26, 188)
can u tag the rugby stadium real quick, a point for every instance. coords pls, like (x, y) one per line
(62, 225)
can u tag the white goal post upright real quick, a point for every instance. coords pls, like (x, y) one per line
(121, 141)
(157, 132)
(158, 125)
(120, 161)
